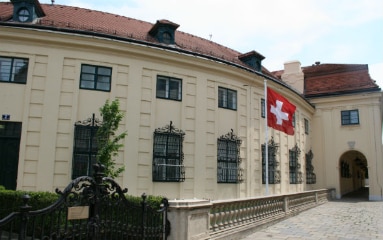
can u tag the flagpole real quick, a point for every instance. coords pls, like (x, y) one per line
(266, 143)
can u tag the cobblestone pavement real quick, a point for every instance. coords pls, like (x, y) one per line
(350, 219)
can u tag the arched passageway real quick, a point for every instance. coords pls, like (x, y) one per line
(353, 175)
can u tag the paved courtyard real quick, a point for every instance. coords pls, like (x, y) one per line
(346, 219)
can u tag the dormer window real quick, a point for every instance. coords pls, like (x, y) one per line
(167, 38)
(23, 15)
(26, 10)
(164, 31)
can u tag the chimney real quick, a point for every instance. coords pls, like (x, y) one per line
(293, 75)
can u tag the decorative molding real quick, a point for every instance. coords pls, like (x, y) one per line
(170, 129)
(231, 136)
(351, 144)
(92, 122)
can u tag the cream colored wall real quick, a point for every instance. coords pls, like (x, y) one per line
(331, 140)
(51, 102)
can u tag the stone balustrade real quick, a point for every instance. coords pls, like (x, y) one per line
(227, 219)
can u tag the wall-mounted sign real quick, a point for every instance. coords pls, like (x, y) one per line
(5, 117)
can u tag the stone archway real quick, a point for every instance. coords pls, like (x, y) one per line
(353, 172)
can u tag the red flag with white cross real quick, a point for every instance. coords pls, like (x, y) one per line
(280, 112)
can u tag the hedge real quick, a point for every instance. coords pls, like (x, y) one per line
(11, 201)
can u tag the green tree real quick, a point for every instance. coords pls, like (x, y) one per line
(108, 139)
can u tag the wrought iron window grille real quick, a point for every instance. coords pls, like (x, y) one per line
(274, 175)
(85, 146)
(228, 159)
(294, 165)
(310, 175)
(168, 155)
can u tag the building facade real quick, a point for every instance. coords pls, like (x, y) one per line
(194, 110)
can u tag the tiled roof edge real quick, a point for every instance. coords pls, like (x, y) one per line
(340, 93)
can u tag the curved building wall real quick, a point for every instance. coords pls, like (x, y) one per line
(50, 103)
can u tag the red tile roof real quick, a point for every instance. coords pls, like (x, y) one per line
(80, 19)
(330, 79)
(6, 11)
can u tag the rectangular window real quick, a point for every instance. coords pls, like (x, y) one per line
(13, 70)
(263, 108)
(228, 170)
(293, 120)
(168, 155)
(84, 150)
(95, 77)
(307, 126)
(169, 88)
(350, 117)
(227, 98)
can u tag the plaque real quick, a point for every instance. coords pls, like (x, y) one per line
(80, 212)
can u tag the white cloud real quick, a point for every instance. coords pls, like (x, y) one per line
(376, 73)
(304, 30)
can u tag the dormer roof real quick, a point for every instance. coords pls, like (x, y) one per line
(26, 10)
(164, 31)
(253, 59)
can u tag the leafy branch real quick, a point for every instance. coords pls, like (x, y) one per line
(108, 141)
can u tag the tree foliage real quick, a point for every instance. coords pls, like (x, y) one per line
(108, 139)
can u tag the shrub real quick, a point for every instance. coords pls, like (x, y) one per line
(11, 201)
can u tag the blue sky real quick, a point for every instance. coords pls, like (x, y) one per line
(341, 31)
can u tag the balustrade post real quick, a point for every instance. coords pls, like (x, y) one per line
(240, 212)
(24, 217)
(214, 219)
(247, 211)
(253, 210)
(286, 204)
(220, 219)
(190, 219)
(230, 214)
(235, 214)
(222, 214)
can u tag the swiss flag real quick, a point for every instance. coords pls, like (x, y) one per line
(279, 112)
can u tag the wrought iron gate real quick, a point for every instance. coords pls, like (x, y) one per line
(89, 208)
